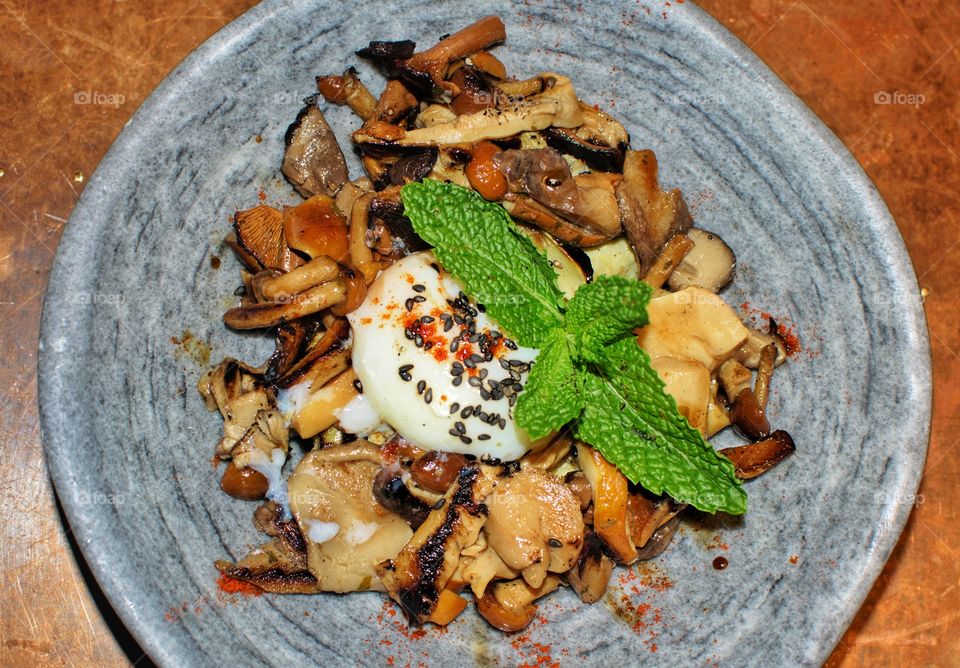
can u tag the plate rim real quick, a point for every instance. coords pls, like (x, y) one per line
(84, 225)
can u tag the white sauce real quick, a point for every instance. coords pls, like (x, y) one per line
(358, 416)
(292, 399)
(272, 468)
(320, 532)
(360, 532)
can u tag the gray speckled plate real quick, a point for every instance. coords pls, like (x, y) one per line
(129, 441)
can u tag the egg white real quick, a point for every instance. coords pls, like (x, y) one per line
(421, 408)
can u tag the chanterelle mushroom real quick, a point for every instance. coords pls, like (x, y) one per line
(535, 524)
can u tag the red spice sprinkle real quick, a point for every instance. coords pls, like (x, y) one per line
(233, 586)
(793, 559)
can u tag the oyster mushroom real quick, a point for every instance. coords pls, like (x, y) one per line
(270, 314)
(316, 228)
(709, 264)
(346, 530)
(435, 61)
(259, 232)
(534, 524)
(312, 161)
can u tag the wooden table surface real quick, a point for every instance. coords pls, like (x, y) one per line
(884, 75)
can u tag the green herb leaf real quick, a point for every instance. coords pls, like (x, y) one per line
(476, 241)
(551, 397)
(635, 424)
(605, 310)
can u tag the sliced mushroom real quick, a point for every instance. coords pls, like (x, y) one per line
(709, 264)
(667, 261)
(591, 575)
(761, 388)
(610, 496)
(387, 54)
(508, 606)
(312, 161)
(426, 563)
(395, 103)
(259, 231)
(273, 567)
(346, 530)
(650, 215)
(324, 359)
(318, 411)
(647, 515)
(436, 471)
(557, 106)
(758, 458)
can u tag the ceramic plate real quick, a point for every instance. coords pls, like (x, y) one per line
(133, 310)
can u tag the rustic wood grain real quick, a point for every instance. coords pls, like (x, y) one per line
(839, 57)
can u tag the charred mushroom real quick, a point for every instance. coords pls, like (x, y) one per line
(758, 458)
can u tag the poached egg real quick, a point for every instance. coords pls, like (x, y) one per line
(435, 367)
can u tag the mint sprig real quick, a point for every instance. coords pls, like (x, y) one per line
(590, 368)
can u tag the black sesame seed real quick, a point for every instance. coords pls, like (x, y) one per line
(484, 394)
(494, 334)
(457, 380)
(483, 437)
(481, 308)
(466, 412)
(447, 325)
(553, 541)
(409, 304)
(475, 358)
(513, 400)
(406, 368)
(409, 333)
(419, 287)
(439, 504)
(454, 345)
(427, 319)
(358, 386)
(466, 440)
(428, 345)
(510, 344)
(504, 364)
(421, 386)
(436, 267)
(469, 363)
(503, 423)
(454, 407)
(514, 374)
(419, 299)
(484, 416)
(459, 426)
(483, 373)
(473, 381)
(454, 432)
(418, 340)
(428, 397)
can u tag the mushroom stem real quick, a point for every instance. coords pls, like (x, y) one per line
(476, 36)
(361, 256)
(761, 388)
(258, 316)
(349, 90)
(313, 273)
(670, 256)
(756, 458)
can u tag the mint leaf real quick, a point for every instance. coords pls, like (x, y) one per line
(635, 424)
(551, 397)
(605, 310)
(477, 242)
